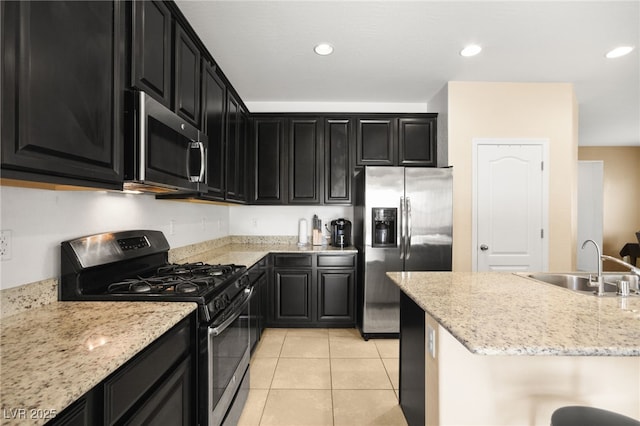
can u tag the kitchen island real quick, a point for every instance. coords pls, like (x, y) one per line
(548, 347)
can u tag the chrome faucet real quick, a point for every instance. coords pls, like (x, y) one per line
(599, 279)
(632, 268)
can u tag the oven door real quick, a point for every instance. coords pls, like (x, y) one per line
(228, 358)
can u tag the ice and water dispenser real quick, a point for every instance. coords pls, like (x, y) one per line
(384, 223)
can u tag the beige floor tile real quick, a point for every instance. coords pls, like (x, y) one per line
(366, 407)
(344, 332)
(298, 408)
(359, 373)
(307, 332)
(388, 348)
(302, 373)
(352, 347)
(392, 365)
(305, 347)
(252, 411)
(269, 346)
(262, 370)
(274, 332)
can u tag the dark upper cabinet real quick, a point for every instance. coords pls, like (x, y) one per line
(305, 160)
(338, 148)
(396, 141)
(268, 161)
(375, 141)
(417, 141)
(62, 97)
(151, 49)
(214, 126)
(236, 150)
(187, 77)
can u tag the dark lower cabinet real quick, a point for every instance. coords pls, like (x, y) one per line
(412, 361)
(62, 92)
(157, 386)
(292, 296)
(336, 296)
(313, 290)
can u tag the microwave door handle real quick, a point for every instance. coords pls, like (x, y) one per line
(200, 176)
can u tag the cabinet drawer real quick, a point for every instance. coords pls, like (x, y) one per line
(293, 260)
(332, 260)
(131, 382)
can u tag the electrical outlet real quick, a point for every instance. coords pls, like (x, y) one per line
(172, 227)
(5, 245)
(254, 222)
(431, 341)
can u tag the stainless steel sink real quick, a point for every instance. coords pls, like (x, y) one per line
(580, 282)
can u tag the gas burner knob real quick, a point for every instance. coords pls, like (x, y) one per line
(219, 303)
(227, 299)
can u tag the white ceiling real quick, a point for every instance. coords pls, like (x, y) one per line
(403, 52)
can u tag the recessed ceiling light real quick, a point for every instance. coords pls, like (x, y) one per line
(619, 51)
(470, 50)
(323, 49)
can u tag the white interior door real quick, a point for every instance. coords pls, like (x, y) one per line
(590, 212)
(510, 207)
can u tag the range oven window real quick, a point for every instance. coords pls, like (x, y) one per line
(228, 360)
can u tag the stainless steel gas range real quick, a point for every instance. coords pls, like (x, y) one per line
(134, 266)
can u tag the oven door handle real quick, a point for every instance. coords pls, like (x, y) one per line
(222, 327)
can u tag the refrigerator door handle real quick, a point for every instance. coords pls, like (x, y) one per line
(401, 227)
(408, 245)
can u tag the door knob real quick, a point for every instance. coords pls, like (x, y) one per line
(484, 247)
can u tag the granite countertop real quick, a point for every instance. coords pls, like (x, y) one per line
(52, 352)
(249, 254)
(493, 313)
(52, 355)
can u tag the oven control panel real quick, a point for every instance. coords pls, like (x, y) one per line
(134, 243)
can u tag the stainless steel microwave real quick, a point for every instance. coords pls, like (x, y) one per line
(163, 152)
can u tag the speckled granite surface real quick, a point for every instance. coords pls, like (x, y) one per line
(17, 299)
(502, 313)
(52, 355)
(250, 253)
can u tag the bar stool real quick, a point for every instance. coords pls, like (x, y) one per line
(589, 416)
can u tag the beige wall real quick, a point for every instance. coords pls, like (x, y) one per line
(516, 110)
(621, 196)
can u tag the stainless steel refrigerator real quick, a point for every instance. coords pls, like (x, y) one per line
(403, 218)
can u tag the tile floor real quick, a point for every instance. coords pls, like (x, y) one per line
(304, 377)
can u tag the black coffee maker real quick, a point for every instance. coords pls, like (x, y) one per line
(341, 233)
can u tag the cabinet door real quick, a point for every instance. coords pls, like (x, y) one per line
(241, 158)
(151, 49)
(213, 125)
(305, 154)
(187, 77)
(375, 141)
(292, 293)
(269, 155)
(336, 296)
(171, 402)
(337, 161)
(417, 141)
(233, 121)
(62, 97)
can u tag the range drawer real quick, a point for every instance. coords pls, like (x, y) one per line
(136, 378)
(293, 260)
(337, 260)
